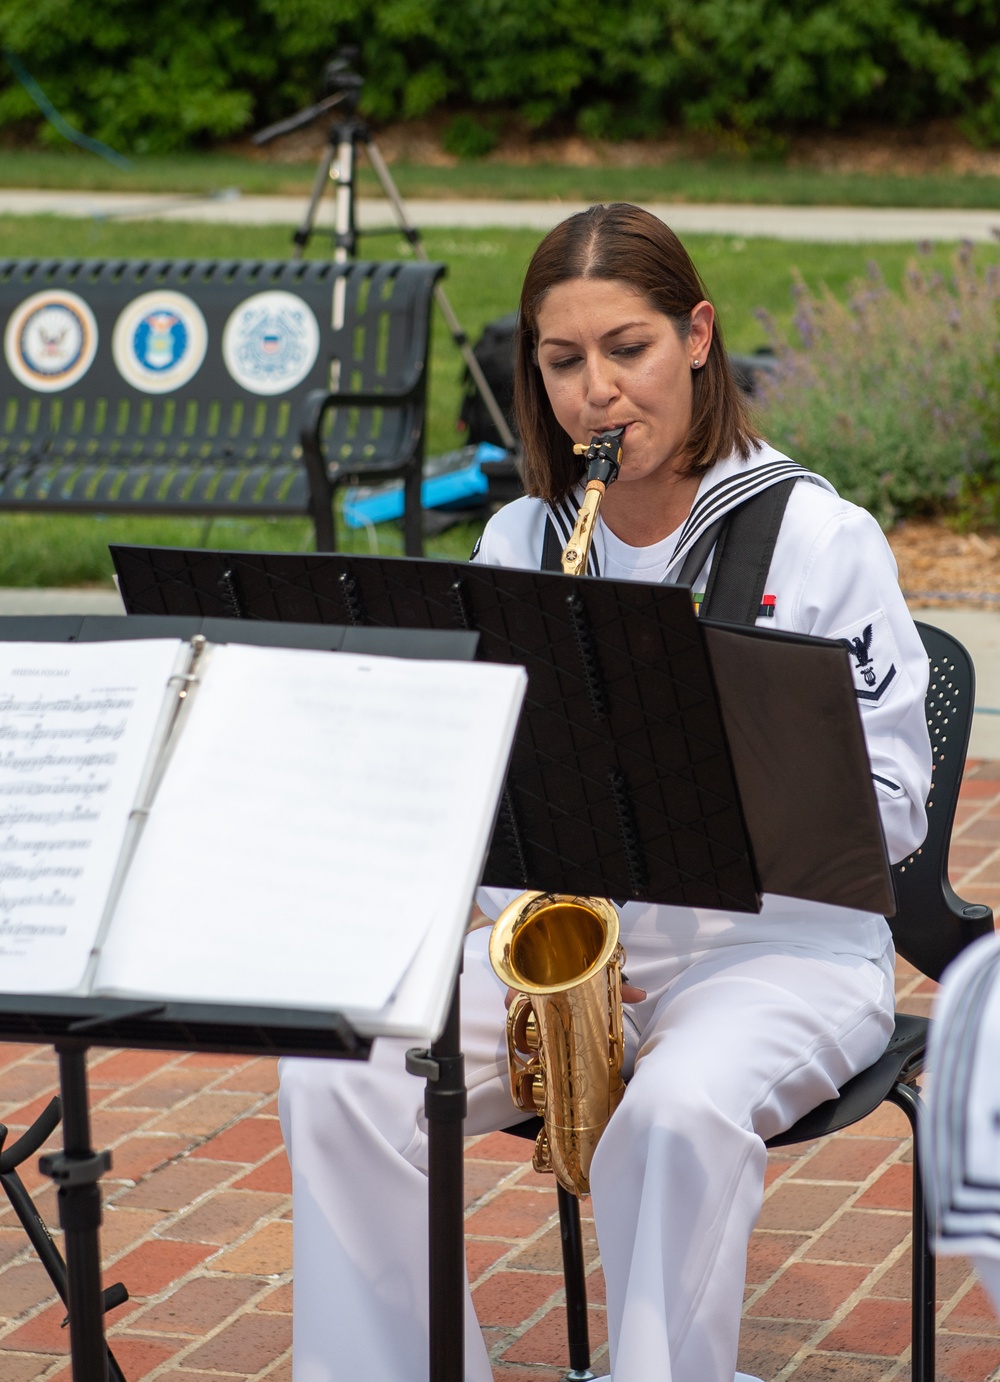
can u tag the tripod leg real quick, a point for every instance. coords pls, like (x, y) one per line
(302, 236)
(412, 235)
(346, 241)
(37, 1230)
(49, 1256)
(474, 367)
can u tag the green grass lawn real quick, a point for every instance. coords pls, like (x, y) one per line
(717, 179)
(485, 268)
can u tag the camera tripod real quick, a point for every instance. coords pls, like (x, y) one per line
(337, 165)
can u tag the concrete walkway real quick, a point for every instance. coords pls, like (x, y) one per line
(824, 224)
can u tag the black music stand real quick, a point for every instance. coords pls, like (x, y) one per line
(73, 1024)
(636, 774)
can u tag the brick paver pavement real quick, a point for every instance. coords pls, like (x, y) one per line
(198, 1224)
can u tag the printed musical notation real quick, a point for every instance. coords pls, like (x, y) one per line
(75, 734)
(321, 815)
(226, 824)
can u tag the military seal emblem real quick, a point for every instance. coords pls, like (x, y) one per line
(159, 341)
(270, 342)
(50, 340)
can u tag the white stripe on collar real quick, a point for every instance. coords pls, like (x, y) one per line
(742, 484)
(713, 500)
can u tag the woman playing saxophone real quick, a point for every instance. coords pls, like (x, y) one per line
(735, 1025)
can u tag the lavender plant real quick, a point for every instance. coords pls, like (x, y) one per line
(886, 394)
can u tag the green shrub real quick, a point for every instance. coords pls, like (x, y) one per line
(156, 77)
(979, 494)
(467, 137)
(884, 394)
(144, 78)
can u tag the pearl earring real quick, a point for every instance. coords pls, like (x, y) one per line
(695, 364)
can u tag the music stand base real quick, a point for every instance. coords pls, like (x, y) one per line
(76, 1171)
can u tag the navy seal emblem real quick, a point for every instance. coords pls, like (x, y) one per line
(51, 340)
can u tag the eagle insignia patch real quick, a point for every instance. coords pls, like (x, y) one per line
(873, 657)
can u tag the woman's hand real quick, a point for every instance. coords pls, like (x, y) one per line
(477, 919)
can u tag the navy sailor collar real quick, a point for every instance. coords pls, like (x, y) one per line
(724, 487)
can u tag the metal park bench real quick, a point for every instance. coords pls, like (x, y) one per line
(212, 387)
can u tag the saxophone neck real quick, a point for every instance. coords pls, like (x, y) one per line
(604, 458)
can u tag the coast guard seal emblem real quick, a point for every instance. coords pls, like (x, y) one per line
(159, 341)
(270, 342)
(51, 340)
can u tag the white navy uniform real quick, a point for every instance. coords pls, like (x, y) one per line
(749, 1020)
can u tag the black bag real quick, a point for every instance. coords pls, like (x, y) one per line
(495, 353)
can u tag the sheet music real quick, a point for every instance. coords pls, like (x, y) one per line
(76, 726)
(320, 813)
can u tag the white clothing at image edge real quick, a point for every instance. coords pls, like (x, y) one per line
(749, 1022)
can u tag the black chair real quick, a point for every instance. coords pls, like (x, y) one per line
(932, 924)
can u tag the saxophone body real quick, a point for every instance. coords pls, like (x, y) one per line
(562, 956)
(565, 1044)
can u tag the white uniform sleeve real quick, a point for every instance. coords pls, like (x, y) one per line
(514, 536)
(848, 590)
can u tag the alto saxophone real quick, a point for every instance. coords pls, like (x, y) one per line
(565, 1043)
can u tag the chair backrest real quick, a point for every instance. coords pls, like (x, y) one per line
(932, 923)
(101, 357)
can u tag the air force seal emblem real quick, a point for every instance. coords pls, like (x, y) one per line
(873, 657)
(159, 342)
(270, 342)
(50, 341)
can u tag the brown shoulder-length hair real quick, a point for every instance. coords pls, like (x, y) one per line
(628, 245)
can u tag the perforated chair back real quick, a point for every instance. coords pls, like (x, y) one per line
(932, 923)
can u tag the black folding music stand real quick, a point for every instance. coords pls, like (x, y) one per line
(74, 1024)
(623, 780)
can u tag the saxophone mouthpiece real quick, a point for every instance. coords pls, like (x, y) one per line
(604, 456)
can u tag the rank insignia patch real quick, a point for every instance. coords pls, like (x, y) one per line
(873, 657)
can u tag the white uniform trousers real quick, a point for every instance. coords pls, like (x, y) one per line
(736, 1043)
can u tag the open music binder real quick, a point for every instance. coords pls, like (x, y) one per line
(214, 827)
